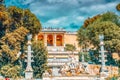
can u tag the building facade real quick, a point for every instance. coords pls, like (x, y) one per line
(65, 64)
(55, 40)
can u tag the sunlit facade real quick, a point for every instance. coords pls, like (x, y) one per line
(66, 63)
(55, 40)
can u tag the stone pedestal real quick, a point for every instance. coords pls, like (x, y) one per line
(55, 71)
(29, 75)
(102, 76)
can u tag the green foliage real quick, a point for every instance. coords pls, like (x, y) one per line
(91, 20)
(40, 58)
(86, 56)
(70, 47)
(31, 22)
(108, 25)
(11, 43)
(24, 18)
(11, 71)
(94, 56)
(16, 17)
(110, 16)
(15, 24)
(82, 38)
(118, 7)
(13, 17)
(4, 21)
(110, 30)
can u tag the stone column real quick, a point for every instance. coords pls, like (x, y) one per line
(54, 40)
(63, 40)
(29, 70)
(45, 40)
(83, 59)
(102, 51)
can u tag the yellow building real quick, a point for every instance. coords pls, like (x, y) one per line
(62, 61)
(55, 39)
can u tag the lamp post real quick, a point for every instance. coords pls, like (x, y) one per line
(29, 70)
(102, 51)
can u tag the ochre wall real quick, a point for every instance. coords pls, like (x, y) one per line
(67, 38)
(71, 39)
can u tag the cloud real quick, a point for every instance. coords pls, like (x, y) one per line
(55, 22)
(71, 23)
(80, 18)
(69, 14)
(98, 9)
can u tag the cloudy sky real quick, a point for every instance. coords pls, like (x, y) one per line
(68, 14)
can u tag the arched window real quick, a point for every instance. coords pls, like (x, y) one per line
(50, 40)
(41, 37)
(59, 41)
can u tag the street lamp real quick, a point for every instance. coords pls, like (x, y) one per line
(102, 51)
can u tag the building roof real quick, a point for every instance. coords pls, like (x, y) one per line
(50, 29)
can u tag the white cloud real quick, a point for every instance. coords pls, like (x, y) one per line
(56, 22)
(55, 1)
(61, 13)
(27, 1)
(65, 22)
(80, 18)
(97, 9)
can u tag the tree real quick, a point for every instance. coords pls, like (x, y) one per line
(40, 59)
(110, 30)
(4, 20)
(91, 20)
(15, 24)
(24, 18)
(11, 45)
(11, 71)
(31, 22)
(83, 32)
(110, 16)
(118, 7)
(111, 33)
(13, 29)
(108, 25)
(82, 38)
